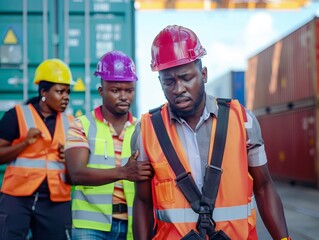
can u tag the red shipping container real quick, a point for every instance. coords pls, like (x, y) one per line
(286, 71)
(290, 142)
(282, 89)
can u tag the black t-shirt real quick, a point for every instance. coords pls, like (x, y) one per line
(9, 130)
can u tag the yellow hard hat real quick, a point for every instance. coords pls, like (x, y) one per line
(53, 70)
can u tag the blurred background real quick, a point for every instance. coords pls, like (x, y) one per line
(261, 52)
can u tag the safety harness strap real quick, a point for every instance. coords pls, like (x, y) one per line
(201, 203)
(213, 170)
(183, 179)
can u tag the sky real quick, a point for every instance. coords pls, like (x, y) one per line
(229, 36)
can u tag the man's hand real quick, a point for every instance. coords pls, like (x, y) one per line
(137, 170)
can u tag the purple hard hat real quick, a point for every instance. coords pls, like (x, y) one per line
(116, 66)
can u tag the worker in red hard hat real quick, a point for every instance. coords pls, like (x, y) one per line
(207, 153)
(99, 158)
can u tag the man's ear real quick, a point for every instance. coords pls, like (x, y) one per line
(204, 74)
(100, 90)
(159, 79)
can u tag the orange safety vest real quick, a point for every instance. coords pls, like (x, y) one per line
(234, 212)
(39, 160)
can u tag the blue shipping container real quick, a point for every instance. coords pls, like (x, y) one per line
(230, 85)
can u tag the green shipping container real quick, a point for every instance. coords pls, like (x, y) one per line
(76, 31)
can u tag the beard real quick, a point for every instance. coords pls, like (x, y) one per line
(188, 113)
(120, 112)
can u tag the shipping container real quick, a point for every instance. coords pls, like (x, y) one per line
(284, 72)
(290, 141)
(282, 90)
(76, 31)
(229, 85)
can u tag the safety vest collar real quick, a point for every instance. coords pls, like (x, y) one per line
(99, 116)
(30, 120)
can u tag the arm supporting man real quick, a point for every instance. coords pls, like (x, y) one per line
(80, 174)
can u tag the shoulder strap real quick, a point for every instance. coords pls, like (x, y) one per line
(221, 132)
(184, 180)
(213, 171)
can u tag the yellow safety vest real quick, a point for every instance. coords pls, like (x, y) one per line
(92, 205)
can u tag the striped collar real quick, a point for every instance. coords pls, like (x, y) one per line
(99, 116)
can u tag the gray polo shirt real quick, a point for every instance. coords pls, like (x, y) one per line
(196, 142)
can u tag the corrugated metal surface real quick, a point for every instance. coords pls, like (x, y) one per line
(290, 140)
(229, 85)
(78, 32)
(282, 90)
(284, 72)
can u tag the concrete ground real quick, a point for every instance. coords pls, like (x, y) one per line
(301, 206)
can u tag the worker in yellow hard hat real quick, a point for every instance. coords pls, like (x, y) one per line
(34, 193)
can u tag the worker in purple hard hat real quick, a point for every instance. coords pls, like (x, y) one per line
(98, 155)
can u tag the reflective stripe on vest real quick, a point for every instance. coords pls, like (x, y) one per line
(92, 205)
(31, 123)
(181, 215)
(93, 198)
(29, 120)
(97, 217)
(96, 199)
(37, 163)
(234, 211)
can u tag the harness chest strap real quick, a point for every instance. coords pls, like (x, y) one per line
(200, 203)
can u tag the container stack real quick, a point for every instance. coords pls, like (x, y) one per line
(282, 90)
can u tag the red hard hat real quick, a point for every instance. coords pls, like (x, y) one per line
(116, 66)
(174, 46)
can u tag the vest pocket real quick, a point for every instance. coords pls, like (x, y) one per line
(162, 170)
(20, 181)
(164, 192)
(59, 189)
(164, 183)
